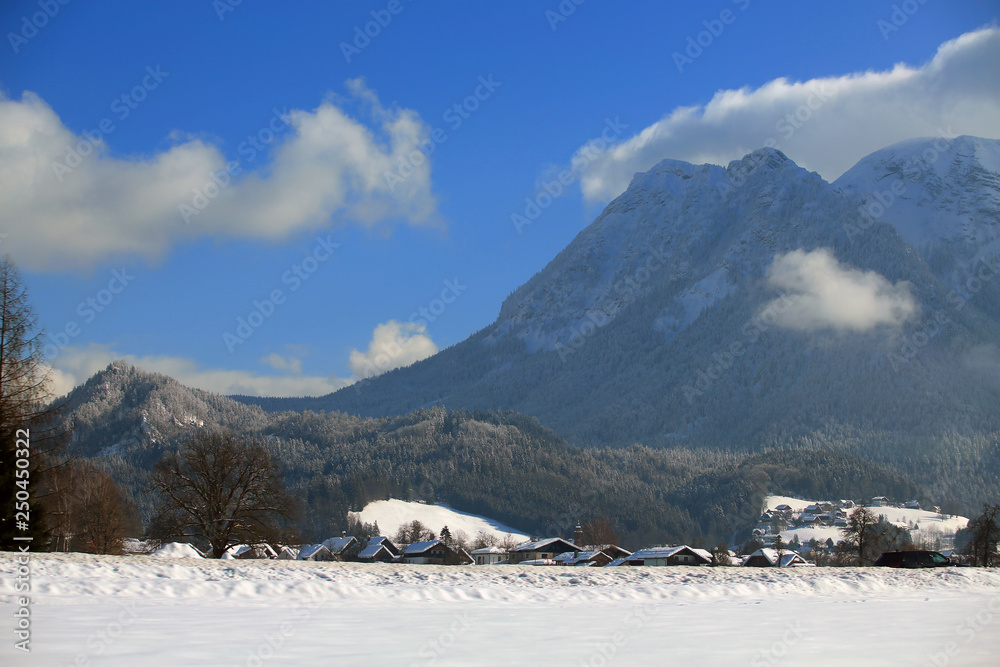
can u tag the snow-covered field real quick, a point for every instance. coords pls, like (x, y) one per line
(391, 514)
(138, 610)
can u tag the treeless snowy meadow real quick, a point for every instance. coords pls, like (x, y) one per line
(106, 610)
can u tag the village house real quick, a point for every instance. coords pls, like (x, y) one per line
(665, 556)
(488, 556)
(541, 550)
(315, 552)
(614, 551)
(769, 558)
(583, 558)
(880, 501)
(379, 550)
(250, 552)
(342, 547)
(435, 552)
(288, 553)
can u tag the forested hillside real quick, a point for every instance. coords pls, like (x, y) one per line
(500, 464)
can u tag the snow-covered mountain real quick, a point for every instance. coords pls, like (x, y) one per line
(942, 196)
(749, 307)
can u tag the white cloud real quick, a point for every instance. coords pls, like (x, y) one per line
(280, 363)
(393, 345)
(323, 165)
(75, 365)
(839, 119)
(823, 293)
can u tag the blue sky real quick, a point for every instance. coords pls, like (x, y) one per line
(243, 143)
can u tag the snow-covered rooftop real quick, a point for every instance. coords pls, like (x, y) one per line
(420, 547)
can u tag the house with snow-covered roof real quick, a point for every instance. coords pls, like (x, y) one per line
(672, 555)
(546, 549)
(488, 555)
(769, 558)
(315, 552)
(435, 552)
(379, 550)
(250, 552)
(583, 558)
(342, 547)
(288, 553)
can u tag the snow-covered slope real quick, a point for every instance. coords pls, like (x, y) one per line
(924, 525)
(391, 514)
(942, 195)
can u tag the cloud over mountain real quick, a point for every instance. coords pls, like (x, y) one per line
(827, 294)
(824, 124)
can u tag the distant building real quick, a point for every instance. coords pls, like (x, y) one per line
(769, 558)
(379, 550)
(541, 550)
(288, 553)
(435, 552)
(316, 552)
(583, 558)
(342, 547)
(666, 556)
(488, 556)
(880, 501)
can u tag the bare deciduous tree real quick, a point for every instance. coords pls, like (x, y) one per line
(599, 533)
(102, 517)
(984, 536)
(24, 411)
(860, 535)
(221, 489)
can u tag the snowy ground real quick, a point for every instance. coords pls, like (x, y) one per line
(138, 610)
(391, 514)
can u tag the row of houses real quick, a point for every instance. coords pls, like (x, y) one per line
(553, 551)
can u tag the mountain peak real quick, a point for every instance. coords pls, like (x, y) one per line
(941, 194)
